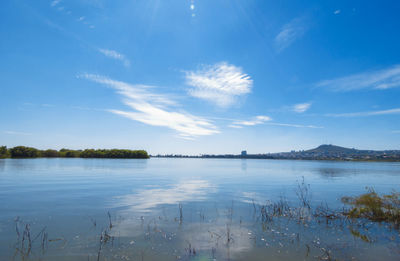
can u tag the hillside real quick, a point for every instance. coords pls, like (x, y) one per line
(326, 151)
(332, 149)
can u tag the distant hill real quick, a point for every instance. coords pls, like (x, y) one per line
(325, 148)
(333, 152)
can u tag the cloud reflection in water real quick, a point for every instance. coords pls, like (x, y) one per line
(147, 199)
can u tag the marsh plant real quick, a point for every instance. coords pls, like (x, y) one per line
(27, 242)
(375, 207)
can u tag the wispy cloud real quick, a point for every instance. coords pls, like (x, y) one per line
(366, 113)
(64, 10)
(268, 121)
(221, 83)
(289, 33)
(17, 133)
(55, 2)
(115, 55)
(301, 107)
(336, 12)
(378, 79)
(254, 121)
(30, 104)
(155, 109)
(294, 125)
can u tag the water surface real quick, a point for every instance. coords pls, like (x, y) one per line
(188, 209)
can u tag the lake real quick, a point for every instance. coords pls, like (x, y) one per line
(187, 209)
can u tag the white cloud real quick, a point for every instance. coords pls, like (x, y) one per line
(379, 79)
(337, 12)
(17, 133)
(289, 33)
(254, 121)
(366, 113)
(221, 83)
(155, 109)
(267, 121)
(55, 2)
(81, 18)
(301, 107)
(115, 55)
(294, 125)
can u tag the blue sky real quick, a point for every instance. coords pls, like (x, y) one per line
(200, 76)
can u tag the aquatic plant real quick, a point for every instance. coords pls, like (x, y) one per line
(371, 206)
(25, 239)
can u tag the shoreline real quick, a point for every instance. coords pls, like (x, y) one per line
(304, 159)
(194, 157)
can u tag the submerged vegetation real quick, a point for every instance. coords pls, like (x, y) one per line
(371, 206)
(29, 152)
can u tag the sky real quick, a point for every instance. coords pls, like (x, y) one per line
(200, 76)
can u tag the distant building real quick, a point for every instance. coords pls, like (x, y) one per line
(244, 153)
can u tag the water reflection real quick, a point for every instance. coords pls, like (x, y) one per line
(149, 198)
(347, 169)
(73, 164)
(336, 172)
(244, 164)
(114, 164)
(19, 164)
(2, 164)
(253, 198)
(223, 233)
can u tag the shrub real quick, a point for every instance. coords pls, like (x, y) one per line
(24, 152)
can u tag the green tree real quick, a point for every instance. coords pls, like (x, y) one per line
(50, 153)
(28, 152)
(67, 153)
(24, 152)
(4, 153)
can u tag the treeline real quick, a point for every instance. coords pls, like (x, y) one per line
(29, 152)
